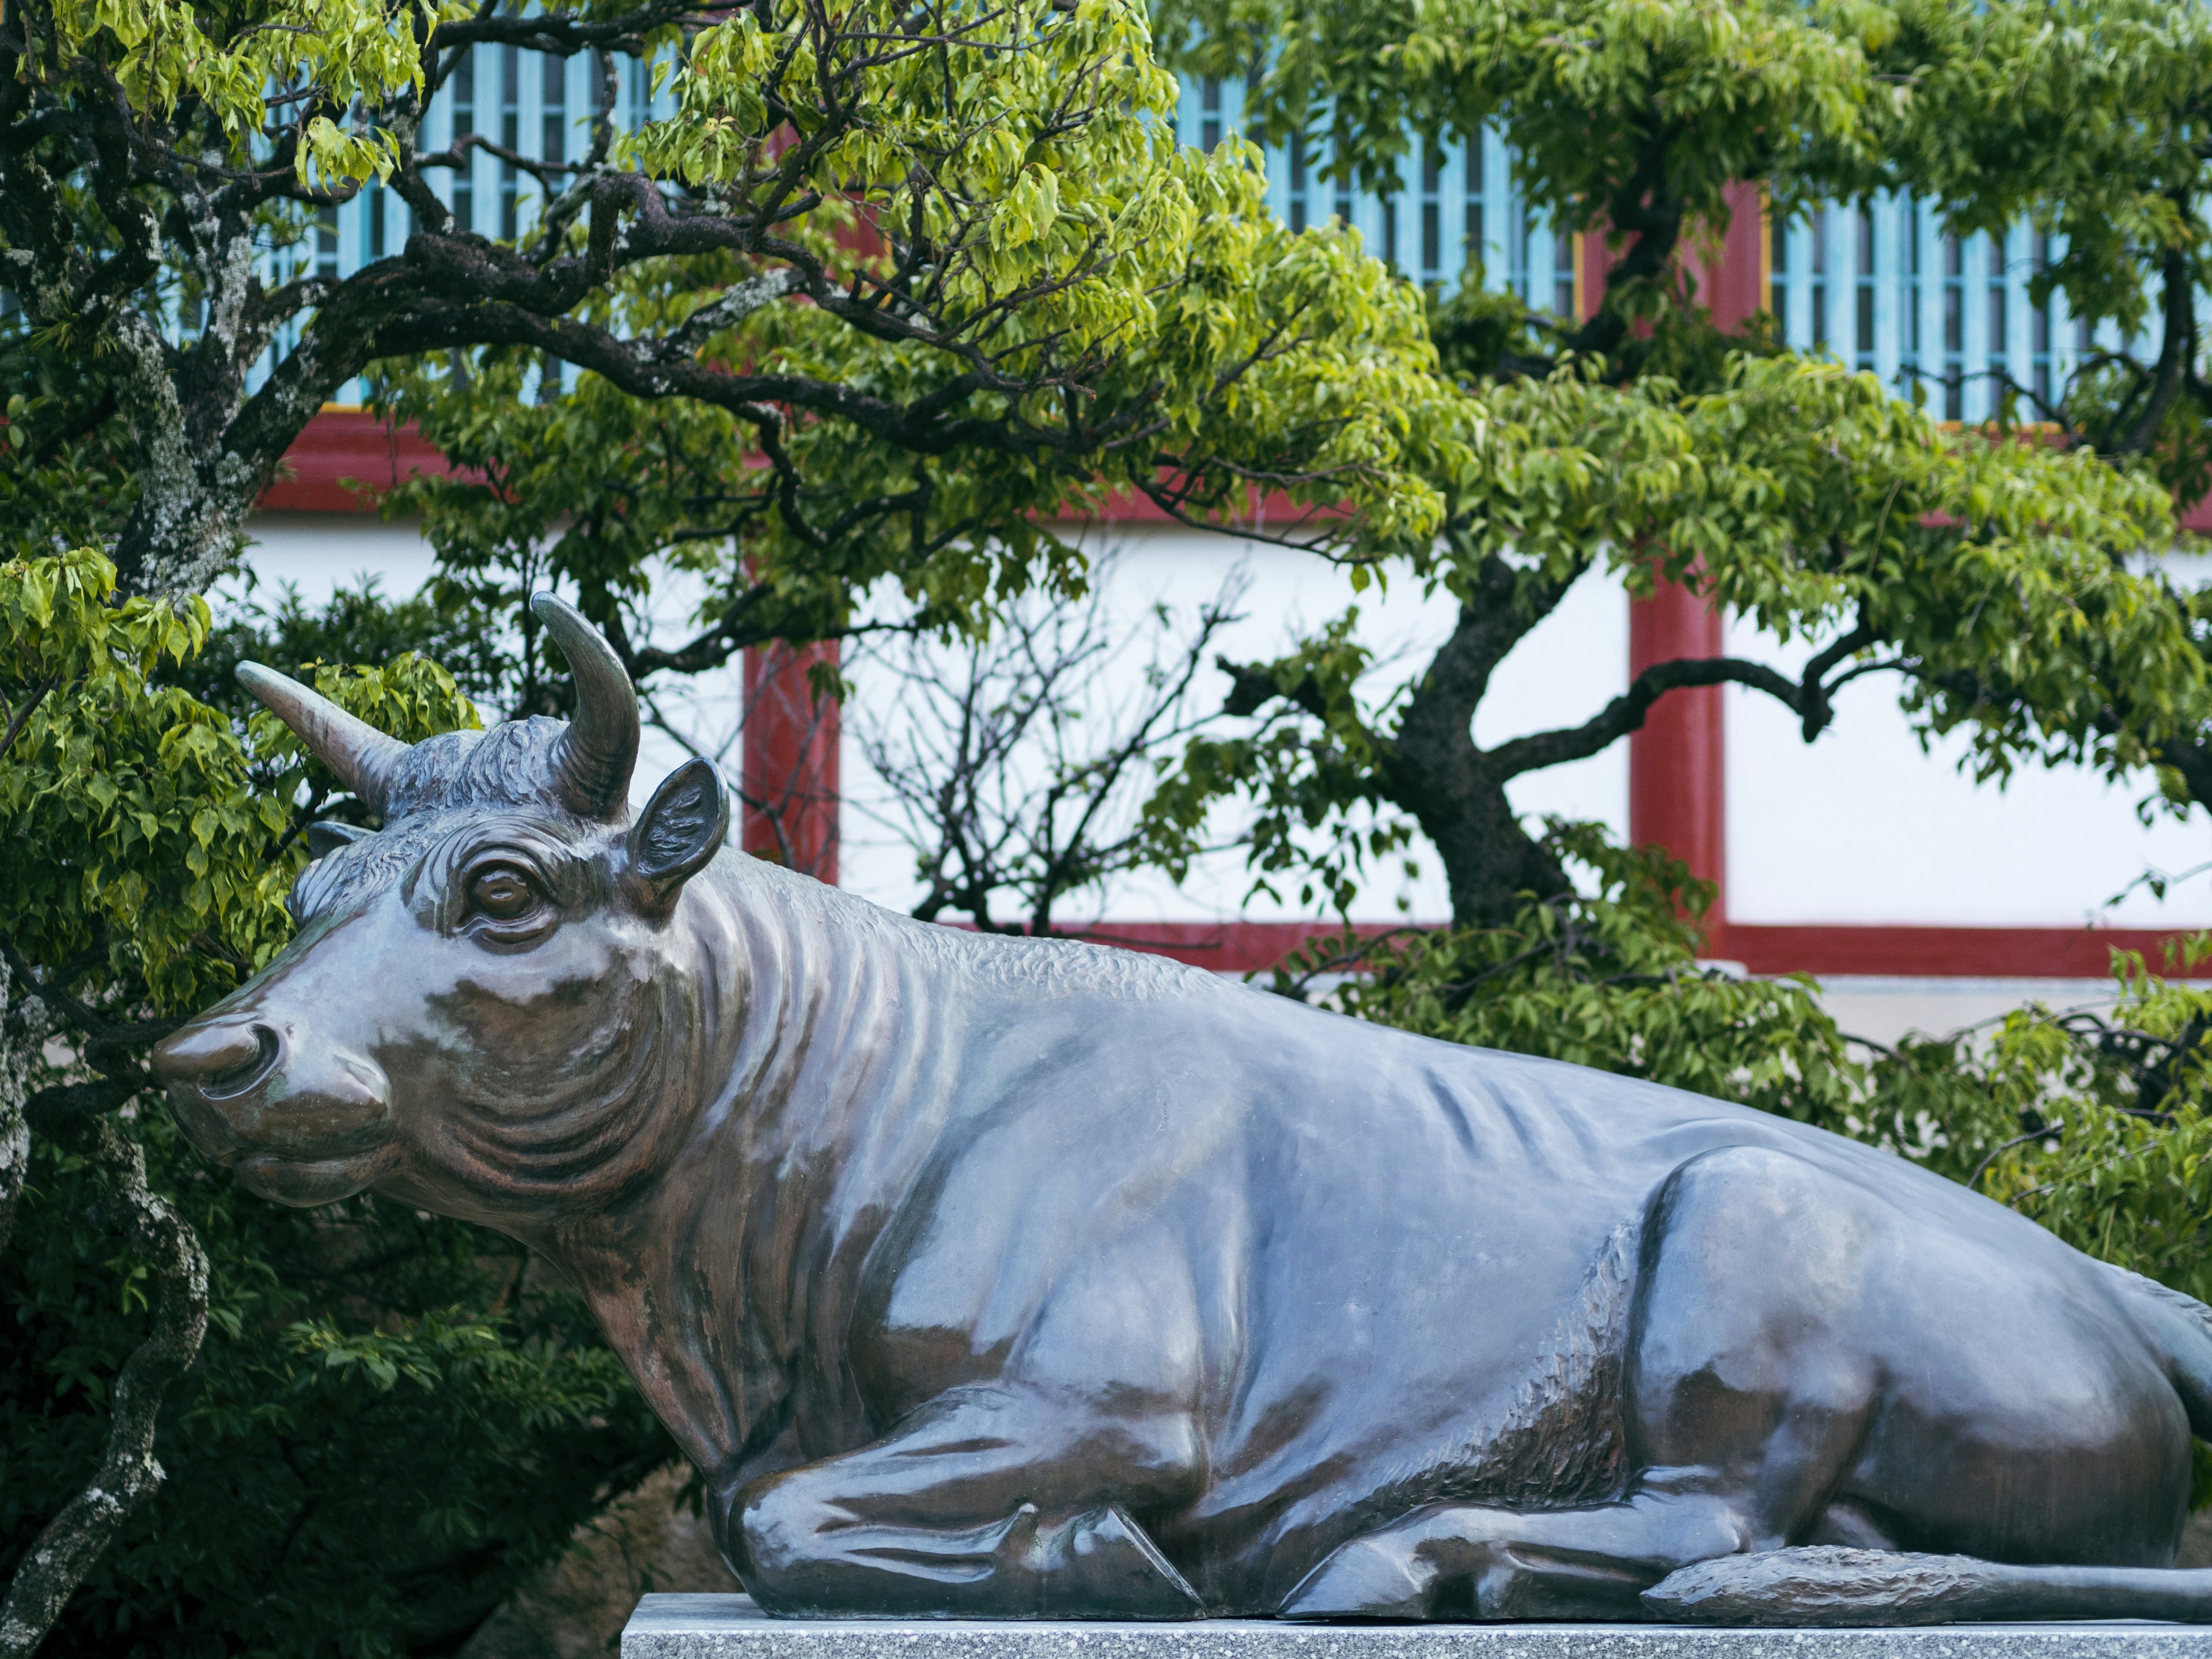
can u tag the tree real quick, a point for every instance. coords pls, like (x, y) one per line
(937, 270)
(1646, 441)
(392, 1421)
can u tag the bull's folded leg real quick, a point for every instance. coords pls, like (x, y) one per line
(978, 1506)
(1470, 1561)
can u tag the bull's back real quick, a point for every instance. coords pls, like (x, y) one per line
(1439, 1248)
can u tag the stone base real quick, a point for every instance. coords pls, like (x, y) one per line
(731, 1627)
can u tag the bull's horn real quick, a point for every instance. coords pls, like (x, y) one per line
(591, 762)
(365, 759)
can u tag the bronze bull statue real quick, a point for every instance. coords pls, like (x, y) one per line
(985, 1276)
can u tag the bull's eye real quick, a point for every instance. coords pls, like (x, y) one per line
(502, 892)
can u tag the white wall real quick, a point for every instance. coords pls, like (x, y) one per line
(322, 552)
(1863, 826)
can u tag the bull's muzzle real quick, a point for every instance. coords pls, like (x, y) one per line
(299, 1125)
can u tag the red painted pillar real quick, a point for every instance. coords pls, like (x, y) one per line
(1677, 764)
(790, 811)
(1677, 783)
(1734, 285)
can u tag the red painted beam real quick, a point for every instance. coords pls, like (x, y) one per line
(1733, 285)
(1949, 952)
(790, 807)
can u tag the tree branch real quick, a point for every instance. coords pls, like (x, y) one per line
(65, 1549)
(1626, 713)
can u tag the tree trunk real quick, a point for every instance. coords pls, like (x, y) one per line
(1434, 770)
(1492, 864)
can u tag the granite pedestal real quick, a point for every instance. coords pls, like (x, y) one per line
(731, 1627)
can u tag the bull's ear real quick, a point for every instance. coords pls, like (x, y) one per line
(683, 826)
(326, 837)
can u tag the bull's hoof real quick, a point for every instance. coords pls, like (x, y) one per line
(1380, 1576)
(1102, 1565)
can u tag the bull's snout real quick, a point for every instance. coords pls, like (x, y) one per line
(301, 1124)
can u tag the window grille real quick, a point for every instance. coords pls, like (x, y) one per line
(1517, 256)
(2039, 333)
(1209, 125)
(1908, 344)
(465, 124)
(1819, 279)
(1863, 317)
(2000, 341)
(1432, 216)
(1472, 209)
(553, 143)
(510, 132)
(1954, 329)
(1297, 157)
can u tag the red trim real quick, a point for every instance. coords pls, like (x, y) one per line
(1246, 947)
(341, 444)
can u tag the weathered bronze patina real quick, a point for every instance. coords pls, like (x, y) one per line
(989, 1276)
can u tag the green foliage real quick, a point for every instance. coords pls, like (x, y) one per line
(356, 624)
(1800, 496)
(158, 54)
(1608, 977)
(394, 1419)
(154, 843)
(1748, 90)
(1230, 352)
(2090, 121)
(1990, 570)
(944, 274)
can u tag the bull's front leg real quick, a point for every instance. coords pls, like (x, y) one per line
(988, 1502)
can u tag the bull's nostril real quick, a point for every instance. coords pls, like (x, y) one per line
(240, 1078)
(221, 1061)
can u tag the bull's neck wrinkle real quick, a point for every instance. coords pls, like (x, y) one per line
(820, 1083)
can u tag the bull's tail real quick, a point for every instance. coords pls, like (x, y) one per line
(1826, 1586)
